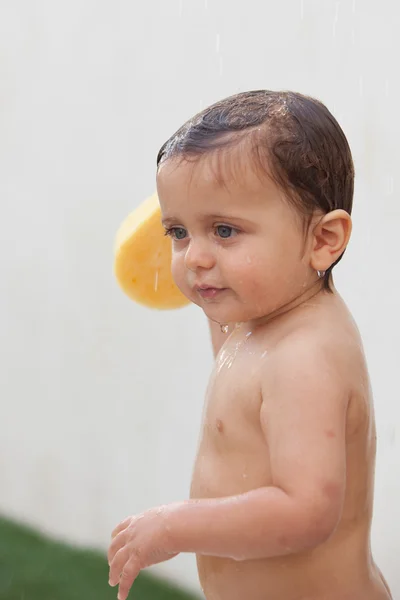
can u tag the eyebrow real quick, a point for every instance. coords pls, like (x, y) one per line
(170, 220)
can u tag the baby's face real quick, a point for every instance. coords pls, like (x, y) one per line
(239, 250)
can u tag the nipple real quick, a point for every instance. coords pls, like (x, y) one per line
(219, 425)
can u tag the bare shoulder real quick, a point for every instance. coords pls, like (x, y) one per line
(323, 343)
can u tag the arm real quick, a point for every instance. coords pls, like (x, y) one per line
(303, 416)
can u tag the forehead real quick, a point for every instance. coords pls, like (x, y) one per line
(225, 175)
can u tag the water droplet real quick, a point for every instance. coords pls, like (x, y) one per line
(390, 186)
(264, 354)
(224, 328)
(156, 281)
(244, 475)
(336, 19)
(227, 356)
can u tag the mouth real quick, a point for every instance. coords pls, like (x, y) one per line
(209, 292)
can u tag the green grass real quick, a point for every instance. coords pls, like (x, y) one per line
(33, 567)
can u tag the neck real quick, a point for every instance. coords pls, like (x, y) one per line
(297, 302)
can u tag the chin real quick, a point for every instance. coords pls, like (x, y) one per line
(226, 310)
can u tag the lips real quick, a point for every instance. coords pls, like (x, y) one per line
(206, 291)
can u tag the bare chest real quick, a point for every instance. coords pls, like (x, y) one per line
(232, 455)
(233, 399)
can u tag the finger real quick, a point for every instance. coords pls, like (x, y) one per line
(121, 526)
(117, 565)
(130, 572)
(116, 545)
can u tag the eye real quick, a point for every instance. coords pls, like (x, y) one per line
(224, 231)
(177, 233)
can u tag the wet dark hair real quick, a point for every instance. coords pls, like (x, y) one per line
(293, 138)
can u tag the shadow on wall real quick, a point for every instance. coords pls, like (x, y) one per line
(35, 568)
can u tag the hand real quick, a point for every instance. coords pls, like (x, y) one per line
(138, 542)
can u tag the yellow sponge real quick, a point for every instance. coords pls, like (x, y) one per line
(142, 261)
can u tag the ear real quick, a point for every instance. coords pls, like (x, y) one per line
(330, 238)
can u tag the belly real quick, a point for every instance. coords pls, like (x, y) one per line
(320, 575)
(340, 569)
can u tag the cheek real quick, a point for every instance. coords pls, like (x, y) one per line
(248, 275)
(265, 269)
(179, 275)
(178, 268)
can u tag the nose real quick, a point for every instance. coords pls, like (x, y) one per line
(199, 255)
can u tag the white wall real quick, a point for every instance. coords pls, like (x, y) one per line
(101, 399)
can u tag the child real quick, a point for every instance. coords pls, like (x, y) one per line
(256, 192)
